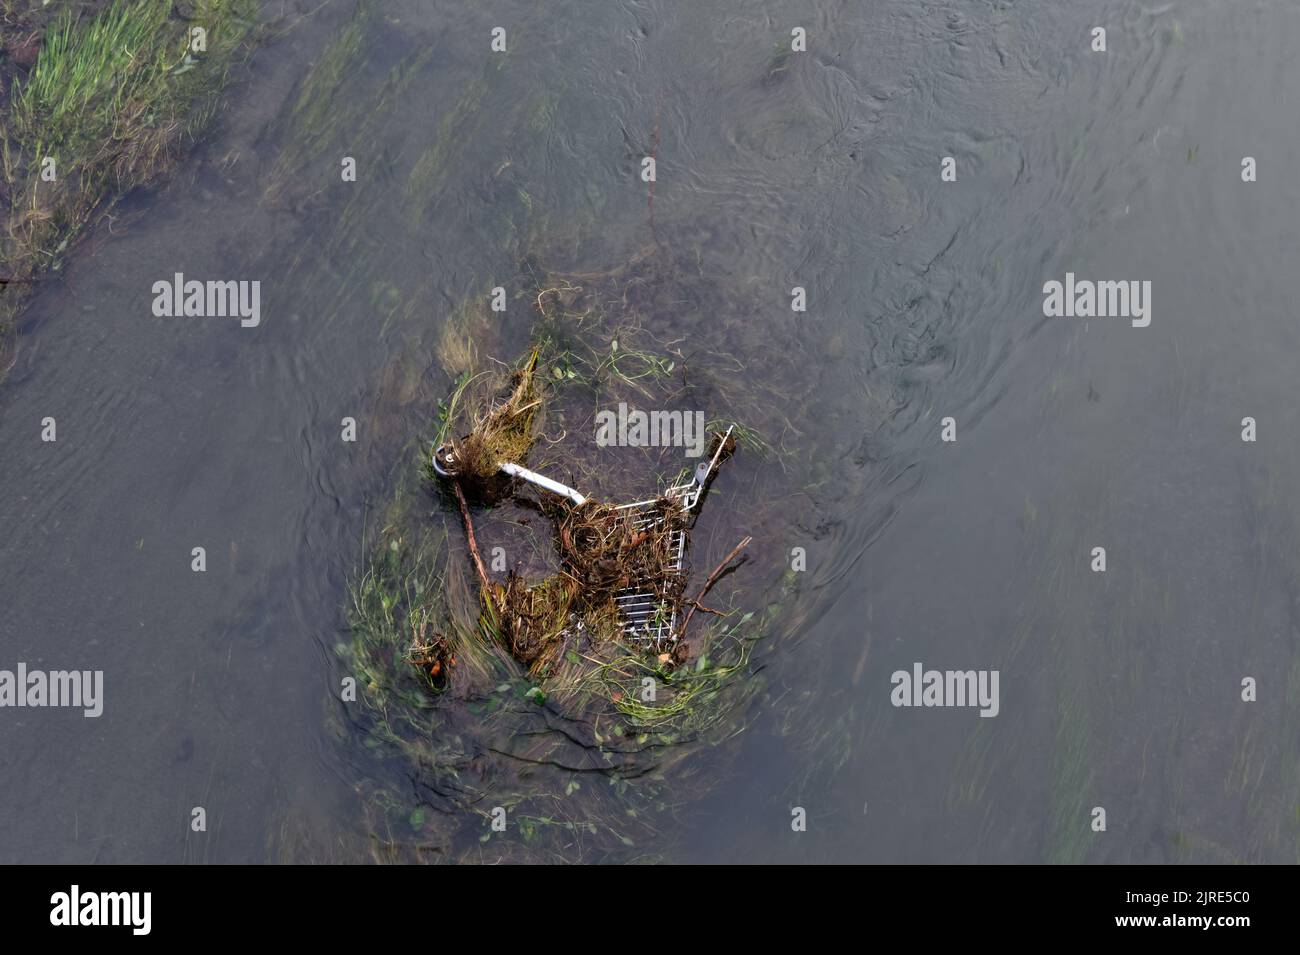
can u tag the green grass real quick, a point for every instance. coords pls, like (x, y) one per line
(93, 79)
(113, 99)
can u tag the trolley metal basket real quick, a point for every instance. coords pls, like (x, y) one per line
(645, 618)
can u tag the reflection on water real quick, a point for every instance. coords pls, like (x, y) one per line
(1119, 690)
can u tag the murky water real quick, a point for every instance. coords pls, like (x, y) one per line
(821, 169)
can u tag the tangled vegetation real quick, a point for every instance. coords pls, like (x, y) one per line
(522, 687)
(579, 765)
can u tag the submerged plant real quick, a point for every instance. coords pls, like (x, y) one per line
(574, 760)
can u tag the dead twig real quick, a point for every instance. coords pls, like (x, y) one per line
(473, 544)
(708, 584)
(701, 607)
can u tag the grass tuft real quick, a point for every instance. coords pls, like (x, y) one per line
(112, 100)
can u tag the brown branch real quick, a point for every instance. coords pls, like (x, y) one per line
(708, 584)
(701, 607)
(473, 544)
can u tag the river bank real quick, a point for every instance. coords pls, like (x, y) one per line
(97, 98)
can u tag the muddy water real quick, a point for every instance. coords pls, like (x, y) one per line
(822, 169)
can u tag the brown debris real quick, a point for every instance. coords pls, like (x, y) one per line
(504, 434)
(430, 653)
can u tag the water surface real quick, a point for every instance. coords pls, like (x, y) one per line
(820, 169)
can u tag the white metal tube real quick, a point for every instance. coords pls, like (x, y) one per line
(541, 480)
